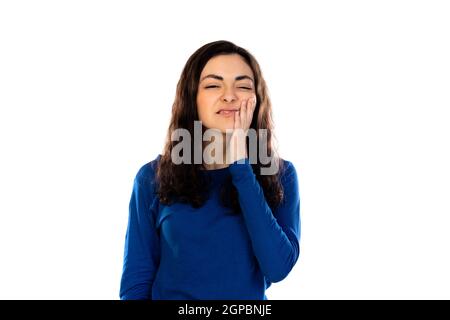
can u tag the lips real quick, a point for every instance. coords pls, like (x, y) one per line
(227, 113)
(227, 110)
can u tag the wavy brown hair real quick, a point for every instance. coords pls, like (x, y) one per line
(184, 182)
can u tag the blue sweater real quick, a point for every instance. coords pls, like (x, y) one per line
(178, 252)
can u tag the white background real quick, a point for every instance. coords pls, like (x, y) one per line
(361, 99)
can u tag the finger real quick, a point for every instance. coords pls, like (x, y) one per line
(237, 119)
(250, 109)
(243, 113)
(239, 115)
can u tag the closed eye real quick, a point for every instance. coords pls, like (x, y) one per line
(247, 88)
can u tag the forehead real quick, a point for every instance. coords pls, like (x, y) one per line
(227, 66)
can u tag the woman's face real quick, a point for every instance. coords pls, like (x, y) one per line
(225, 81)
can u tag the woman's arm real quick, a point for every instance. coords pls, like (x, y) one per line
(275, 236)
(142, 252)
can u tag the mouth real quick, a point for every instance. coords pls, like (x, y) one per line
(227, 113)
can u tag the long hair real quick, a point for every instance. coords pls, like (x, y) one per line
(184, 182)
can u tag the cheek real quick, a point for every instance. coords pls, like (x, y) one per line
(204, 107)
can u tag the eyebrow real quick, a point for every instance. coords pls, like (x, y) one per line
(215, 76)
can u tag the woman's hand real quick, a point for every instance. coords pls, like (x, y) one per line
(237, 146)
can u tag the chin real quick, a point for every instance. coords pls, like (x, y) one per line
(224, 129)
(221, 127)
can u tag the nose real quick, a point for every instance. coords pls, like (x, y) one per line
(229, 95)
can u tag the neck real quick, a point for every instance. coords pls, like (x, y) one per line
(214, 161)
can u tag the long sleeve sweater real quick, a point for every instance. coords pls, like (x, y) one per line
(177, 252)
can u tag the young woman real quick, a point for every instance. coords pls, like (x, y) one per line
(223, 223)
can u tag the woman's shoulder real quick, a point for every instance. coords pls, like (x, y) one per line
(147, 172)
(287, 169)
